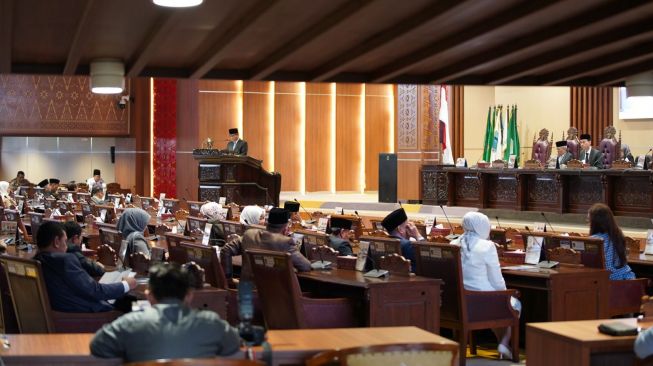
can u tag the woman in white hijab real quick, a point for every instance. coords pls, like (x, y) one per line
(7, 201)
(252, 215)
(213, 213)
(481, 269)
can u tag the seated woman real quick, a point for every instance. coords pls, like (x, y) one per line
(212, 211)
(132, 225)
(7, 201)
(481, 269)
(252, 215)
(604, 226)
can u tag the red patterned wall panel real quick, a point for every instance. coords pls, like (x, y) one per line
(45, 105)
(165, 137)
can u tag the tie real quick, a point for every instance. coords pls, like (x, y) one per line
(587, 157)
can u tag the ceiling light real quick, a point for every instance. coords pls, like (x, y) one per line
(640, 85)
(107, 76)
(177, 3)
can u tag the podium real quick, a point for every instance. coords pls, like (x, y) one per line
(240, 179)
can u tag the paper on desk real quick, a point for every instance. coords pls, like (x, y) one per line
(533, 249)
(115, 276)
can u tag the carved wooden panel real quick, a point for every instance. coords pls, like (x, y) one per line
(543, 188)
(435, 186)
(209, 172)
(585, 189)
(230, 176)
(468, 186)
(47, 105)
(209, 193)
(407, 116)
(502, 189)
(632, 191)
(430, 116)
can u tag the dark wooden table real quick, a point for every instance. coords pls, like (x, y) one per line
(392, 301)
(627, 192)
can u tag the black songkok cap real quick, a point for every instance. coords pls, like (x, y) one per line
(43, 183)
(340, 223)
(586, 136)
(233, 131)
(561, 144)
(278, 216)
(394, 219)
(54, 181)
(291, 206)
(96, 172)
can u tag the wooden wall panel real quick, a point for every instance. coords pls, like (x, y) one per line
(379, 102)
(591, 110)
(257, 120)
(319, 154)
(457, 125)
(188, 138)
(287, 134)
(408, 139)
(220, 103)
(348, 132)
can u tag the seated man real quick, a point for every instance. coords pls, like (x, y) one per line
(170, 328)
(97, 196)
(74, 234)
(563, 155)
(274, 237)
(589, 156)
(20, 180)
(96, 181)
(70, 288)
(398, 226)
(339, 238)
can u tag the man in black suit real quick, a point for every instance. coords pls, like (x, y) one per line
(70, 288)
(236, 145)
(589, 156)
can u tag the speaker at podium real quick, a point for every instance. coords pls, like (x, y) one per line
(387, 178)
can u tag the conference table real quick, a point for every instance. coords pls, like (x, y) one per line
(289, 347)
(579, 343)
(627, 192)
(391, 301)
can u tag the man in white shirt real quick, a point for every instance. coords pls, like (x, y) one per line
(95, 181)
(236, 145)
(589, 156)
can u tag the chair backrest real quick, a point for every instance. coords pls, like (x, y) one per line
(176, 253)
(410, 354)
(541, 149)
(381, 246)
(111, 237)
(232, 227)
(210, 298)
(171, 204)
(107, 255)
(194, 224)
(278, 289)
(35, 220)
(83, 197)
(573, 148)
(443, 261)
(87, 209)
(108, 212)
(590, 248)
(395, 264)
(8, 321)
(29, 295)
(139, 263)
(197, 362)
(564, 255)
(324, 252)
(147, 202)
(194, 207)
(311, 240)
(611, 151)
(626, 296)
(207, 258)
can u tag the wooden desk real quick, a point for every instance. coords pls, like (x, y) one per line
(642, 265)
(288, 346)
(577, 343)
(563, 293)
(392, 301)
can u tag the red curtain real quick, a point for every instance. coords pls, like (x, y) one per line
(165, 137)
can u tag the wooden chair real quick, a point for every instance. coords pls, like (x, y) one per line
(564, 255)
(139, 263)
(232, 227)
(463, 310)
(111, 237)
(194, 208)
(207, 258)
(381, 246)
(194, 226)
(409, 354)
(395, 264)
(32, 305)
(311, 240)
(626, 296)
(107, 255)
(197, 362)
(281, 298)
(177, 254)
(209, 298)
(325, 253)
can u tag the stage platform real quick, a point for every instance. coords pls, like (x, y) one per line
(367, 205)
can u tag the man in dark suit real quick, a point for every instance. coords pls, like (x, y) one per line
(70, 288)
(398, 226)
(274, 237)
(236, 145)
(339, 238)
(563, 155)
(589, 156)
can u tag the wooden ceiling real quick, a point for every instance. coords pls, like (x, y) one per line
(482, 42)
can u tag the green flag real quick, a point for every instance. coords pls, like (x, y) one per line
(489, 136)
(512, 145)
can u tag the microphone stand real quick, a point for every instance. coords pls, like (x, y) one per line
(375, 272)
(451, 236)
(311, 221)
